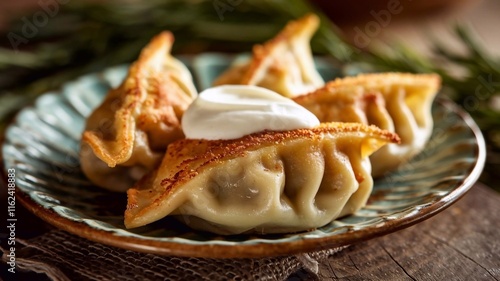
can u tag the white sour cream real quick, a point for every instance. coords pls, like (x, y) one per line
(233, 111)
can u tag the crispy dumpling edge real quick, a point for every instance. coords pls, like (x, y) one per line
(137, 76)
(262, 53)
(364, 80)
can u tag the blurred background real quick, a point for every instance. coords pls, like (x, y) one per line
(44, 43)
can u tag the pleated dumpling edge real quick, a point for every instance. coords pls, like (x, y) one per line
(268, 182)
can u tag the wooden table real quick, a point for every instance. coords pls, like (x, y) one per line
(460, 243)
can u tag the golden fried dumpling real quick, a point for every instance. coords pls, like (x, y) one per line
(129, 132)
(399, 103)
(284, 64)
(268, 182)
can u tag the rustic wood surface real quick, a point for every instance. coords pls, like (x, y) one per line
(460, 243)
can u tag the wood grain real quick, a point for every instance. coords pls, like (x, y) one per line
(461, 243)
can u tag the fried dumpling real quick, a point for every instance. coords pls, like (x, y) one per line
(268, 182)
(127, 135)
(399, 103)
(284, 64)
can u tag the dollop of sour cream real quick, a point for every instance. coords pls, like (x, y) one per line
(233, 111)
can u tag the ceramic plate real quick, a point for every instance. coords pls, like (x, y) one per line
(42, 146)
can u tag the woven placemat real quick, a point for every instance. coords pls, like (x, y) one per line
(63, 256)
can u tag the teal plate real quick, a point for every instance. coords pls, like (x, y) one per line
(42, 146)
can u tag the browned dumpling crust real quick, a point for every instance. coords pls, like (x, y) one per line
(397, 102)
(283, 64)
(265, 182)
(129, 132)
